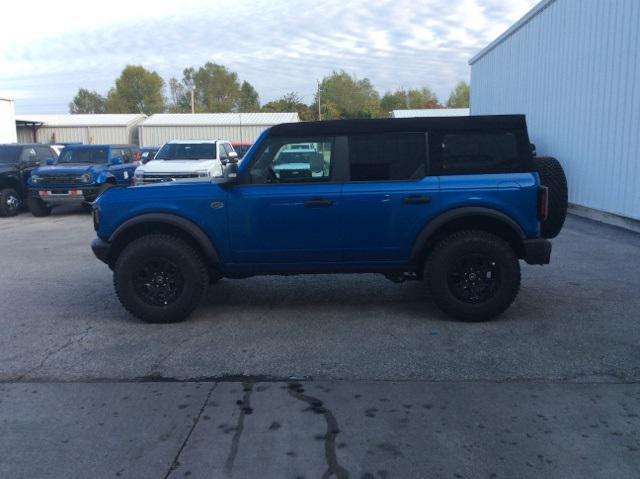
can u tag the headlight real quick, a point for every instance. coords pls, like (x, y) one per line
(35, 178)
(203, 174)
(139, 173)
(86, 178)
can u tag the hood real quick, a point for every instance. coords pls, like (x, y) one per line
(177, 166)
(67, 169)
(7, 168)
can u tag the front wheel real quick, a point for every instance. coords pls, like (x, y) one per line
(38, 207)
(473, 275)
(9, 202)
(160, 278)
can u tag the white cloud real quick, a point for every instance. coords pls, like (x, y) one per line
(50, 49)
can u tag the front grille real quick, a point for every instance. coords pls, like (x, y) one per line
(61, 180)
(157, 177)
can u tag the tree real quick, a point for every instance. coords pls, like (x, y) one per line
(248, 100)
(137, 90)
(344, 96)
(409, 99)
(216, 88)
(459, 97)
(87, 101)
(289, 103)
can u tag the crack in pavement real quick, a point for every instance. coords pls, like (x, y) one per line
(245, 408)
(49, 354)
(176, 460)
(316, 405)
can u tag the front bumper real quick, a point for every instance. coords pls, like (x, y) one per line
(537, 251)
(101, 249)
(74, 194)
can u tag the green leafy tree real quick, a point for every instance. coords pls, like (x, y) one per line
(409, 99)
(459, 97)
(248, 100)
(289, 103)
(137, 90)
(87, 101)
(216, 88)
(345, 96)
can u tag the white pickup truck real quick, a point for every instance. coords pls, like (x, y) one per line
(187, 160)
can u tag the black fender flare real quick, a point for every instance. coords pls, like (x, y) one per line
(187, 226)
(458, 213)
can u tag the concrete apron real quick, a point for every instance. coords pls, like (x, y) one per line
(339, 429)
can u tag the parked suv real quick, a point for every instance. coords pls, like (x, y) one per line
(191, 160)
(455, 202)
(80, 175)
(16, 164)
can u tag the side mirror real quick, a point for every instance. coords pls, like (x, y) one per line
(230, 172)
(233, 157)
(50, 161)
(116, 160)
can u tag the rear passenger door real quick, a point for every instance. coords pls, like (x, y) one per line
(389, 196)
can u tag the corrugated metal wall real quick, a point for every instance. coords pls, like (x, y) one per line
(94, 134)
(574, 70)
(158, 135)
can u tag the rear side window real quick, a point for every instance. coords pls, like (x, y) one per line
(387, 157)
(478, 152)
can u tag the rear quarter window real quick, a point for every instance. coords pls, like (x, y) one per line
(476, 152)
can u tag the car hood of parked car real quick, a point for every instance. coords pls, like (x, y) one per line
(7, 168)
(69, 169)
(175, 166)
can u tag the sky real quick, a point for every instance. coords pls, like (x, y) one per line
(50, 49)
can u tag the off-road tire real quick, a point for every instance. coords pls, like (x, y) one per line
(552, 176)
(9, 202)
(187, 261)
(442, 260)
(38, 207)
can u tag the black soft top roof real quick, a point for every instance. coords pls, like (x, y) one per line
(347, 127)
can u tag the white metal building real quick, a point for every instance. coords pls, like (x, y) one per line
(95, 129)
(430, 112)
(7, 121)
(573, 67)
(244, 127)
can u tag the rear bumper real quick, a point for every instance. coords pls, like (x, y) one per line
(101, 249)
(74, 194)
(537, 251)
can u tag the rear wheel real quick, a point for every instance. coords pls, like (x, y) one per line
(473, 275)
(160, 278)
(9, 202)
(552, 176)
(38, 207)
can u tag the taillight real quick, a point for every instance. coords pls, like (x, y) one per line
(543, 203)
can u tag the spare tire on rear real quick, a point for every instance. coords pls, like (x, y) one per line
(552, 176)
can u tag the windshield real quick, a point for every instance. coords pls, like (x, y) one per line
(187, 151)
(83, 155)
(9, 153)
(291, 156)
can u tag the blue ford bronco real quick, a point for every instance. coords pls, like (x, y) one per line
(80, 175)
(455, 202)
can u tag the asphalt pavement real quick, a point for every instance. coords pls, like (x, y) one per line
(317, 376)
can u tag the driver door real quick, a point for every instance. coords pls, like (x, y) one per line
(287, 215)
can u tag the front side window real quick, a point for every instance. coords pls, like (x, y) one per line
(223, 152)
(387, 157)
(293, 161)
(83, 155)
(187, 151)
(474, 152)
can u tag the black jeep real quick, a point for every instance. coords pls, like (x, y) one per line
(16, 164)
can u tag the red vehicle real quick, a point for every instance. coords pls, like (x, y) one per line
(241, 147)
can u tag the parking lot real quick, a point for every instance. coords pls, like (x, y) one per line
(346, 376)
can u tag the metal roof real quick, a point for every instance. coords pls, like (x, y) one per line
(80, 120)
(513, 29)
(430, 112)
(219, 119)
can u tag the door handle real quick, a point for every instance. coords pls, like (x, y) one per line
(416, 200)
(318, 203)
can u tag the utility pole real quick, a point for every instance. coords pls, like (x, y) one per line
(319, 110)
(193, 106)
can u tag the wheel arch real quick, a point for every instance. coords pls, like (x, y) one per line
(162, 223)
(471, 217)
